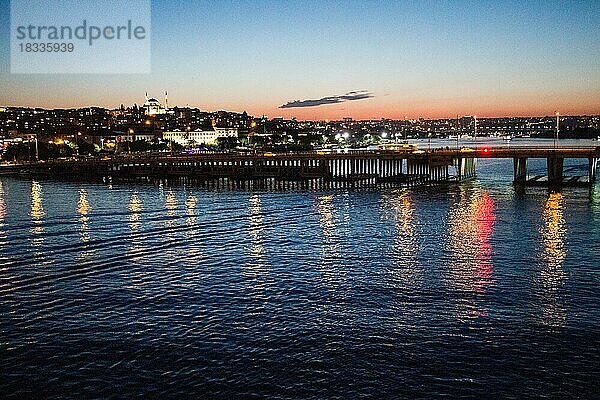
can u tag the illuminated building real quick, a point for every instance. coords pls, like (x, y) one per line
(199, 136)
(153, 107)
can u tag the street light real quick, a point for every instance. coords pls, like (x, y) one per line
(37, 154)
(457, 130)
(77, 142)
(129, 133)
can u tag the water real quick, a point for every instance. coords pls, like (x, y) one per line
(171, 290)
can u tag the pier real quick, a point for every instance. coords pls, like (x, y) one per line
(408, 168)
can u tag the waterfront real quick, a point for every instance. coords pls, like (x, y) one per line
(168, 289)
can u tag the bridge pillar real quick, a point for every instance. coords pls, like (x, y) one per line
(555, 169)
(520, 169)
(325, 167)
(593, 165)
(465, 167)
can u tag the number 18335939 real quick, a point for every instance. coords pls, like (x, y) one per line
(44, 47)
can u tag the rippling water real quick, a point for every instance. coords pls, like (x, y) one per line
(168, 290)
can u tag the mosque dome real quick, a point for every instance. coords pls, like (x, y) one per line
(152, 101)
(153, 106)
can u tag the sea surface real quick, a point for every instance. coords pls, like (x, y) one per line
(177, 290)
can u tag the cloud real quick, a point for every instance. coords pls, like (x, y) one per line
(350, 96)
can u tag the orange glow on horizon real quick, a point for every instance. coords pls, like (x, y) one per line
(370, 109)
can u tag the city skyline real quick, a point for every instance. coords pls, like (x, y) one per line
(426, 59)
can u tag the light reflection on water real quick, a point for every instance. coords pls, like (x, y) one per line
(37, 208)
(37, 214)
(83, 209)
(330, 246)
(194, 250)
(2, 213)
(137, 246)
(171, 207)
(3, 236)
(2, 204)
(256, 231)
(190, 207)
(135, 207)
(314, 294)
(552, 273)
(405, 250)
(334, 266)
(471, 223)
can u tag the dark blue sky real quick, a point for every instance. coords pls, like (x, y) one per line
(416, 58)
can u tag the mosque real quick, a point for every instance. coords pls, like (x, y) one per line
(153, 107)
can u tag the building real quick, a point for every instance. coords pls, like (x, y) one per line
(199, 136)
(133, 136)
(153, 107)
(226, 132)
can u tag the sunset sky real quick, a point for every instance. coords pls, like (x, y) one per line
(430, 59)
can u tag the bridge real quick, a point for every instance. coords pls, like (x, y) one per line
(407, 167)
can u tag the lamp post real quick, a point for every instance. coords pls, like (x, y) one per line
(37, 153)
(77, 142)
(475, 129)
(457, 130)
(557, 129)
(129, 133)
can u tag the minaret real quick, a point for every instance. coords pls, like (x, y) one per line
(166, 102)
(146, 96)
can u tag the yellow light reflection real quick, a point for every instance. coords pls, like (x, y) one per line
(405, 270)
(334, 217)
(2, 205)
(171, 206)
(137, 250)
(471, 224)
(194, 248)
(8, 279)
(83, 209)
(3, 237)
(37, 212)
(330, 246)
(552, 273)
(405, 251)
(135, 207)
(190, 205)
(326, 215)
(256, 230)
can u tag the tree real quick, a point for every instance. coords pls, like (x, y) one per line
(227, 143)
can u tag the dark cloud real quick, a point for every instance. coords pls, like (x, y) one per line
(350, 96)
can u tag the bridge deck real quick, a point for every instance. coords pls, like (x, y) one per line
(410, 167)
